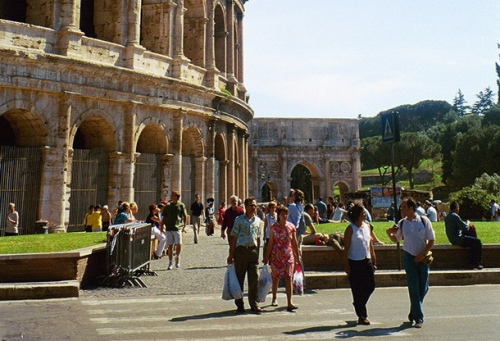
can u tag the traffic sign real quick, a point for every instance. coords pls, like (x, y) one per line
(390, 127)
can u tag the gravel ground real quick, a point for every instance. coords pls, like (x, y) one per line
(202, 270)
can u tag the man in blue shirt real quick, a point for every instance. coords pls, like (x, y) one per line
(463, 233)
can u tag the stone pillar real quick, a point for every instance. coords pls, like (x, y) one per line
(242, 91)
(134, 51)
(128, 170)
(328, 180)
(70, 36)
(166, 176)
(230, 47)
(199, 175)
(224, 193)
(212, 73)
(180, 63)
(285, 180)
(54, 204)
(231, 178)
(117, 162)
(176, 168)
(210, 177)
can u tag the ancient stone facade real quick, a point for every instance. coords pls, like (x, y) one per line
(315, 155)
(120, 100)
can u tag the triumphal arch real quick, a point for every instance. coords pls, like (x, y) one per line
(314, 155)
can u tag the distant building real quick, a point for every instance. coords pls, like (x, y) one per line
(314, 155)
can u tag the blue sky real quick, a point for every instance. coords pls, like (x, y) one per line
(339, 59)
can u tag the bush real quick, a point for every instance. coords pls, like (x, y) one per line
(474, 202)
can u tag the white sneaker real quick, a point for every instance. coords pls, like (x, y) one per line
(418, 325)
(169, 266)
(274, 303)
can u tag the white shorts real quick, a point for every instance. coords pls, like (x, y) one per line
(174, 237)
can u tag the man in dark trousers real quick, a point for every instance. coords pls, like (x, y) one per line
(463, 233)
(244, 253)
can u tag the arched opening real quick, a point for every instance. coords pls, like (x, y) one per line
(90, 169)
(148, 174)
(266, 193)
(195, 23)
(339, 192)
(220, 37)
(13, 10)
(301, 179)
(21, 139)
(87, 18)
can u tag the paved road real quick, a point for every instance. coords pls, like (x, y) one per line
(185, 304)
(451, 314)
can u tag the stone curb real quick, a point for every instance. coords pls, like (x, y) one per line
(39, 290)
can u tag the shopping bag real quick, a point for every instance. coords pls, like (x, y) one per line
(265, 283)
(298, 280)
(231, 289)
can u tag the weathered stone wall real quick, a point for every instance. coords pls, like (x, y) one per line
(62, 90)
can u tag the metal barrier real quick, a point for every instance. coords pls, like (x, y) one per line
(128, 253)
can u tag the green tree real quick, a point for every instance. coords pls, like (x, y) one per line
(476, 152)
(459, 104)
(375, 154)
(497, 67)
(484, 102)
(474, 202)
(448, 140)
(492, 116)
(412, 150)
(489, 183)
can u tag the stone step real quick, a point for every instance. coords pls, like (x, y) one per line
(39, 290)
(394, 278)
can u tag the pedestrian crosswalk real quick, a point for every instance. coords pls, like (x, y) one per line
(207, 317)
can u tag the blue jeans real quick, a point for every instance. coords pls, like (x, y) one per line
(417, 275)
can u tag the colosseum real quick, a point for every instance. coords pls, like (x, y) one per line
(107, 100)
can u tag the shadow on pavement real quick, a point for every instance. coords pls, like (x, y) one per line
(346, 334)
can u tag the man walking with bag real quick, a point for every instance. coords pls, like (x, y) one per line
(244, 253)
(418, 236)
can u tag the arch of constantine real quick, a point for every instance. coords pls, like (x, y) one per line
(107, 100)
(314, 155)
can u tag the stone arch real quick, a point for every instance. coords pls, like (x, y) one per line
(93, 130)
(13, 10)
(195, 24)
(339, 190)
(148, 171)
(192, 171)
(305, 176)
(220, 38)
(21, 125)
(151, 137)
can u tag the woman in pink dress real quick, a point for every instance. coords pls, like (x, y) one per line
(282, 254)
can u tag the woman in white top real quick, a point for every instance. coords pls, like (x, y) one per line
(269, 220)
(358, 255)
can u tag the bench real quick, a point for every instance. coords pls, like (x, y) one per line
(446, 257)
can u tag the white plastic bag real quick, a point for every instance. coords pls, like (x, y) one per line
(298, 280)
(231, 289)
(265, 284)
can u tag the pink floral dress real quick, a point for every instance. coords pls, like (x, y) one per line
(281, 258)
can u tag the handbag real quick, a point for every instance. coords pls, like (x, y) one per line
(231, 289)
(428, 259)
(264, 285)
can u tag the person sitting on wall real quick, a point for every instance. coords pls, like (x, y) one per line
(463, 233)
